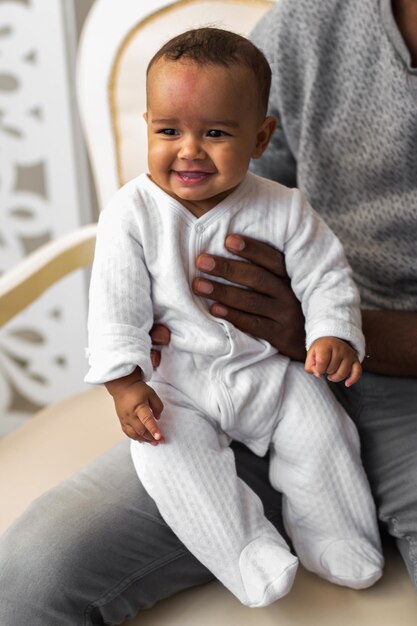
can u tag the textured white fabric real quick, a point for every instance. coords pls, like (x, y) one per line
(146, 249)
(315, 462)
(214, 379)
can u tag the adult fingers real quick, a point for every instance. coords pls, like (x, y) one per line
(239, 272)
(289, 340)
(155, 358)
(266, 263)
(160, 335)
(248, 301)
(258, 252)
(249, 323)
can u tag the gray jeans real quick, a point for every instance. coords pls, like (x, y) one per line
(95, 550)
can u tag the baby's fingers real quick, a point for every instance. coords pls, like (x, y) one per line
(310, 361)
(317, 361)
(355, 374)
(147, 418)
(137, 432)
(346, 368)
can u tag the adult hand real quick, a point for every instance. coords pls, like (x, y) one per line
(268, 309)
(160, 336)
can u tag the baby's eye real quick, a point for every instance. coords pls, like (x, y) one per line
(216, 133)
(170, 132)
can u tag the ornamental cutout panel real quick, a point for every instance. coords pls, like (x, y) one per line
(42, 189)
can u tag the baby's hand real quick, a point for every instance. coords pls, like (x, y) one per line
(335, 357)
(138, 407)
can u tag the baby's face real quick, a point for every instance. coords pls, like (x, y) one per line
(204, 126)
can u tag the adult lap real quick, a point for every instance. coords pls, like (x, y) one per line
(385, 412)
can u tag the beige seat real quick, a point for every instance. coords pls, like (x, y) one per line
(118, 40)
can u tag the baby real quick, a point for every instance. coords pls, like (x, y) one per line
(207, 96)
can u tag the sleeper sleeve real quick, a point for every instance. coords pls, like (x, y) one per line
(120, 308)
(322, 278)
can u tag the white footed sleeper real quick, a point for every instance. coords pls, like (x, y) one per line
(218, 383)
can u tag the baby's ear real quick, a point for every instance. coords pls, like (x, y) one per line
(263, 136)
(145, 116)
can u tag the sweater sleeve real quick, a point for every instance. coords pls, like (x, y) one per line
(321, 278)
(120, 308)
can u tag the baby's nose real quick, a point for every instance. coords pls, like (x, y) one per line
(191, 149)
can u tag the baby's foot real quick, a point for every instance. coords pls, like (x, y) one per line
(352, 563)
(268, 570)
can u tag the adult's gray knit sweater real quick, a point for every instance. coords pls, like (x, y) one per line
(345, 95)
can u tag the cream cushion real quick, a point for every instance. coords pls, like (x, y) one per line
(63, 438)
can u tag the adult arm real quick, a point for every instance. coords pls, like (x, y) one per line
(391, 342)
(269, 310)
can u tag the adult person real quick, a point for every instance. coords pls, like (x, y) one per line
(345, 94)
(94, 550)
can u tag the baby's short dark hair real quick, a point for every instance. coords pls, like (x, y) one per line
(215, 46)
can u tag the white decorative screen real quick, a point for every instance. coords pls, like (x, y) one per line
(43, 194)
